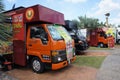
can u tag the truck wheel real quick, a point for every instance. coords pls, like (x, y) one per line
(101, 45)
(37, 65)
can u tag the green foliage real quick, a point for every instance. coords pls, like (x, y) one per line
(2, 17)
(85, 22)
(5, 32)
(5, 47)
(101, 24)
(97, 48)
(1, 6)
(91, 61)
(88, 22)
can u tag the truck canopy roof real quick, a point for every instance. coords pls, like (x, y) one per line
(103, 29)
(38, 13)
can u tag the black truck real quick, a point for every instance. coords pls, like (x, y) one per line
(81, 43)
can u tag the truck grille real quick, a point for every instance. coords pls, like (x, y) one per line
(62, 55)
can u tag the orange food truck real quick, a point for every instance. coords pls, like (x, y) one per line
(40, 40)
(100, 38)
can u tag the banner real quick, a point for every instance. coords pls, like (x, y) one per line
(18, 27)
(68, 41)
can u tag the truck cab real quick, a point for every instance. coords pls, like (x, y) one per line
(49, 46)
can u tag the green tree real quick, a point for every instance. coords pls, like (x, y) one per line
(4, 32)
(101, 24)
(86, 22)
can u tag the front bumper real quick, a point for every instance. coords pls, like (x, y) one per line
(56, 66)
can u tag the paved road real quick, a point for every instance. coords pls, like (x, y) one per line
(110, 69)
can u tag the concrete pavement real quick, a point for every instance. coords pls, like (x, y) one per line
(110, 69)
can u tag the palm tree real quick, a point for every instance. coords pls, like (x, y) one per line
(86, 22)
(4, 33)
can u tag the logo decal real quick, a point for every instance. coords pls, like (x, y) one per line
(29, 14)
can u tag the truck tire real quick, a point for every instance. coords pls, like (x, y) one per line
(101, 45)
(37, 65)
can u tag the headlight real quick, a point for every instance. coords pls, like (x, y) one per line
(59, 59)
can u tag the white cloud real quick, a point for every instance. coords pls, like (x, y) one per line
(115, 21)
(11, 1)
(118, 14)
(75, 1)
(107, 6)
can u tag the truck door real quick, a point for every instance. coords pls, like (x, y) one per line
(38, 40)
(19, 50)
(93, 38)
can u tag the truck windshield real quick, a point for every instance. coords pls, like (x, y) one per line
(54, 33)
(81, 36)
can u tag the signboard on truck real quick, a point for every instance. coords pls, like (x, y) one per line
(111, 32)
(18, 27)
(68, 41)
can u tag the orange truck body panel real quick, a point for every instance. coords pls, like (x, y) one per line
(102, 39)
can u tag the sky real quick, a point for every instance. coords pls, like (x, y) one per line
(72, 9)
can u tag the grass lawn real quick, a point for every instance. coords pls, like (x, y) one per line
(97, 48)
(117, 45)
(91, 61)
